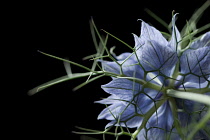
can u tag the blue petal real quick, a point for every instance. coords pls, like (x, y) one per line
(134, 122)
(145, 100)
(190, 114)
(123, 56)
(139, 41)
(159, 123)
(193, 85)
(111, 112)
(128, 112)
(202, 42)
(123, 88)
(150, 33)
(163, 119)
(176, 37)
(127, 118)
(155, 57)
(130, 117)
(196, 64)
(157, 135)
(110, 100)
(111, 66)
(125, 114)
(129, 67)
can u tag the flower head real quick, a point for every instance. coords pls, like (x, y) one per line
(139, 96)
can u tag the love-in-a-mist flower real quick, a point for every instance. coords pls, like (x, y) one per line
(141, 81)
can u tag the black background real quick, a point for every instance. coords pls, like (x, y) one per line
(61, 31)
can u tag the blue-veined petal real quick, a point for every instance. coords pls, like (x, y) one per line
(191, 112)
(127, 117)
(191, 85)
(110, 66)
(196, 63)
(146, 100)
(130, 112)
(111, 112)
(109, 100)
(139, 41)
(127, 67)
(142, 102)
(125, 55)
(204, 41)
(150, 33)
(123, 88)
(121, 115)
(159, 123)
(155, 57)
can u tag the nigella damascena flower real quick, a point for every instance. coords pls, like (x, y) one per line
(165, 65)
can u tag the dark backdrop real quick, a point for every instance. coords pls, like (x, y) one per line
(63, 32)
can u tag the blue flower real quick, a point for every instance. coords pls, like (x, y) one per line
(162, 63)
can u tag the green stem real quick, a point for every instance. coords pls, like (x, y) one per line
(57, 81)
(201, 98)
(200, 90)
